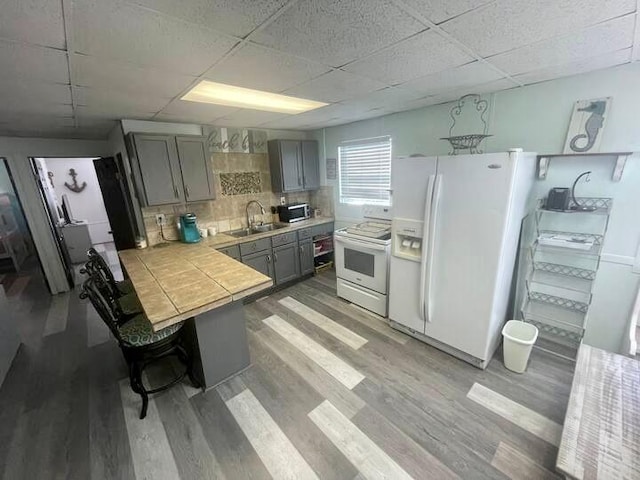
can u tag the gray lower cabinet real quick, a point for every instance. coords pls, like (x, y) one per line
(261, 261)
(306, 257)
(286, 263)
(172, 169)
(233, 251)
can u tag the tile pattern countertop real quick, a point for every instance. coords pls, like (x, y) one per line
(182, 280)
(179, 280)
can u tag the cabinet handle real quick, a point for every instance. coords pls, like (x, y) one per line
(268, 258)
(275, 257)
(301, 249)
(186, 191)
(175, 191)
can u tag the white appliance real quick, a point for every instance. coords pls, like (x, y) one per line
(455, 235)
(362, 260)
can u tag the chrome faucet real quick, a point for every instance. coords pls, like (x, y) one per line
(262, 211)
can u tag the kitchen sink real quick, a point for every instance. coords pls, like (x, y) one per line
(245, 232)
(267, 227)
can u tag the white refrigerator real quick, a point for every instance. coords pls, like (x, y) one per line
(455, 235)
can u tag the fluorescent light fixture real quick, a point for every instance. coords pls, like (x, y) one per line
(221, 94)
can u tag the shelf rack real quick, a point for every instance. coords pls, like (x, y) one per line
(559, 280)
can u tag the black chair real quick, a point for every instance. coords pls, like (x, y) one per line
(126, 305)
(124, 287)
(140, 345)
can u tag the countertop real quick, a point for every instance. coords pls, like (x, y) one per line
(182, 280)
(222, 240)
(175, 281)
(601, 433)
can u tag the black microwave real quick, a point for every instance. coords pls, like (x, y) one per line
(294, 212)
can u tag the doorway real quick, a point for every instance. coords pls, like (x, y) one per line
(87, 205)
(19, 262)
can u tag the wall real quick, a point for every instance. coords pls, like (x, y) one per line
(9, 340)
(536, 118)
(87, 205)
(17, 152)
(226, 212)
(5, 181)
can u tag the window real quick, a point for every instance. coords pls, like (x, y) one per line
(365, 171)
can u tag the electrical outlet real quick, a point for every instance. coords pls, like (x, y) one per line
(161, 220)
(283, 200)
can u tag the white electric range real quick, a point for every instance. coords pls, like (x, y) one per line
(362, 255)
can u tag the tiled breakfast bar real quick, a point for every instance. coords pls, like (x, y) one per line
(197, 284)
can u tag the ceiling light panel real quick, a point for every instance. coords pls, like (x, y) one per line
(230, 95)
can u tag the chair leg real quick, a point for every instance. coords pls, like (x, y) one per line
(188, 361)
(139, 388)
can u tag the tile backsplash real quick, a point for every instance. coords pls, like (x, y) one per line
(239, 178)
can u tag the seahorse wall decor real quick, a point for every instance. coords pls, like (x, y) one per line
(75, 187)
(584, 135)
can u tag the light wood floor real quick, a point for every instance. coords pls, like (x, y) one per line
(332, 393)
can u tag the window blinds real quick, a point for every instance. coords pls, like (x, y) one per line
(365, 171)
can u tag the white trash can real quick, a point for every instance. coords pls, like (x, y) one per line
(519, 338)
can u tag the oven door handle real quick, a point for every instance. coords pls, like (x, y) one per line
(360, 244)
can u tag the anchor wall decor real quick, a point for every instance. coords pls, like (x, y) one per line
(75, 187)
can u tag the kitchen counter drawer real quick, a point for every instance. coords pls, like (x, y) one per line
(255, 246)
(324, 229)
(232, 251)
(283, 239)
(305, 233)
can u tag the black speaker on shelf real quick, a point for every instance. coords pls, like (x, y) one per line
(558, 199)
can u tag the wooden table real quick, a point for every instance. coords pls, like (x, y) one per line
(196, 283)
(601, 434)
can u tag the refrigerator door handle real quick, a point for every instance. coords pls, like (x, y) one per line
(425, 251)
(432, 243)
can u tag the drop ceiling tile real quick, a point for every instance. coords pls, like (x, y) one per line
(96, 72)
(261, 68)
(38, 22)
(335, 86)
(193, 112)
(108, 112)
(606, 37)
(453, 78)
(440, 10)
(248, 118)
(335, 32)
(389, 97)
(32, 97)
(33, 63)
(128, 33)
(489, 87)
(582, 66)
(420, 55)
(235, 17)
(109, 103)
(508, 24)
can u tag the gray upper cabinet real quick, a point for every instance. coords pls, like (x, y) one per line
(294, 165)
(172, 169)
(310, 165)
(197, 174)
(286, 263)
(159, 169)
